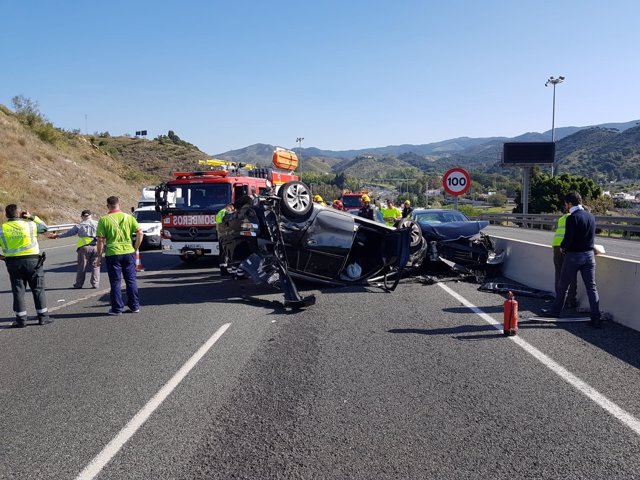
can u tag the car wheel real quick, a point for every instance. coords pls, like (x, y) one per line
(295, 199)
(416, 232)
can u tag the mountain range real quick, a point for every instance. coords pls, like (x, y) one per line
(609, 151)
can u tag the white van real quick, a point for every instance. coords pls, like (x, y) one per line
(150, 223)
(147, 197)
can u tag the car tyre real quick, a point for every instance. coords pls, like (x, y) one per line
(296, 202)
(416, 231)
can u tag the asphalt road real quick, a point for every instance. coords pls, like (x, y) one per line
(418, 383)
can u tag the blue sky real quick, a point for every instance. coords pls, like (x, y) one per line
(344, 74)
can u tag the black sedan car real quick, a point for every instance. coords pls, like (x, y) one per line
(278, 237)
(451, 238)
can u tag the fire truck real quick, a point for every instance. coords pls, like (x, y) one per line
(190, 201)
(351, 200)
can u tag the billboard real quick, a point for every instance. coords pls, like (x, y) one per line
(528, 153)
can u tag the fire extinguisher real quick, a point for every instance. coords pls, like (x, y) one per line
(510, 316)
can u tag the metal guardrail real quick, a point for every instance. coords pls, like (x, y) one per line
(58, 228)
(625, 225)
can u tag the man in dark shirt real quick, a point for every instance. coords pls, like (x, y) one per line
(366, 210)
(578, 245)
(406, 209)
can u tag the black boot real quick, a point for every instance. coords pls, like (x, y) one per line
(20, 322)
(44, 319)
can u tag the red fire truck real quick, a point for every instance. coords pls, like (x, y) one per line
(190, 201)
(351, 200)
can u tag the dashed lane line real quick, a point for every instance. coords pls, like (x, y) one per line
(114, 446)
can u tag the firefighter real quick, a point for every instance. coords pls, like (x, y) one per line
(318, 199)
(337, 204)
(85, 247)
(366, 210)
(21, 253)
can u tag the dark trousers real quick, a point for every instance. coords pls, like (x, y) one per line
(585, 263)
(119, 267)
(25, 271)
(87, 257)
(558, 260)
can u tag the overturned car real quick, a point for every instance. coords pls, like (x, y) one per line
(276, 238)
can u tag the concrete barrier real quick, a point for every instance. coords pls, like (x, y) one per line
(617, 279)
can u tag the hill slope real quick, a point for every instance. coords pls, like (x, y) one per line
(57, 181)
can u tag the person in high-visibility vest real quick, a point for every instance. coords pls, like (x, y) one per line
(113, 234)
(228, 208)
(21, 253)
(391, 213)
(85, 247)
(558, 260)
(578, 246)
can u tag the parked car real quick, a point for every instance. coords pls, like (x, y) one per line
(275, 238)
(458, 242)
(150, 222)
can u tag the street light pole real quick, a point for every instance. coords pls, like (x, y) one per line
(554, 81)
(299, 140)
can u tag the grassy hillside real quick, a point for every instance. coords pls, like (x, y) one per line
(56, 174)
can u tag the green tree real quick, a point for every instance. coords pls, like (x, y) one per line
(547, 194)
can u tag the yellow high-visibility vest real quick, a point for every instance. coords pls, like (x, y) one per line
(19, 237)
(82, 241)
(220, 215)
(560, 229)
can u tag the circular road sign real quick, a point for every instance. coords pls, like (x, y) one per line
(456, 181)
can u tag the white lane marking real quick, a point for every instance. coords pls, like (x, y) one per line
(114, 446)
(625, 417)
(77, 300)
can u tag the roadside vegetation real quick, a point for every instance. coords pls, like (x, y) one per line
(57, 173)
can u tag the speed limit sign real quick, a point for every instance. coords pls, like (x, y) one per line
(456, 181)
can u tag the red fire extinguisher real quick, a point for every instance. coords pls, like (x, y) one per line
(510, 316)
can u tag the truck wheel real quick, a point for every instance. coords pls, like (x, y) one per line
(295, 200)
(189, 258)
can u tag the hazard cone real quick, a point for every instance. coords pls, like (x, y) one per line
(139, 267)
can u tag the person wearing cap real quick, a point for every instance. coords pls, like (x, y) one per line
(406, 209)
(318, 199)
(21, 253)
(366, 210)
(85, 247)
(337, 204)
